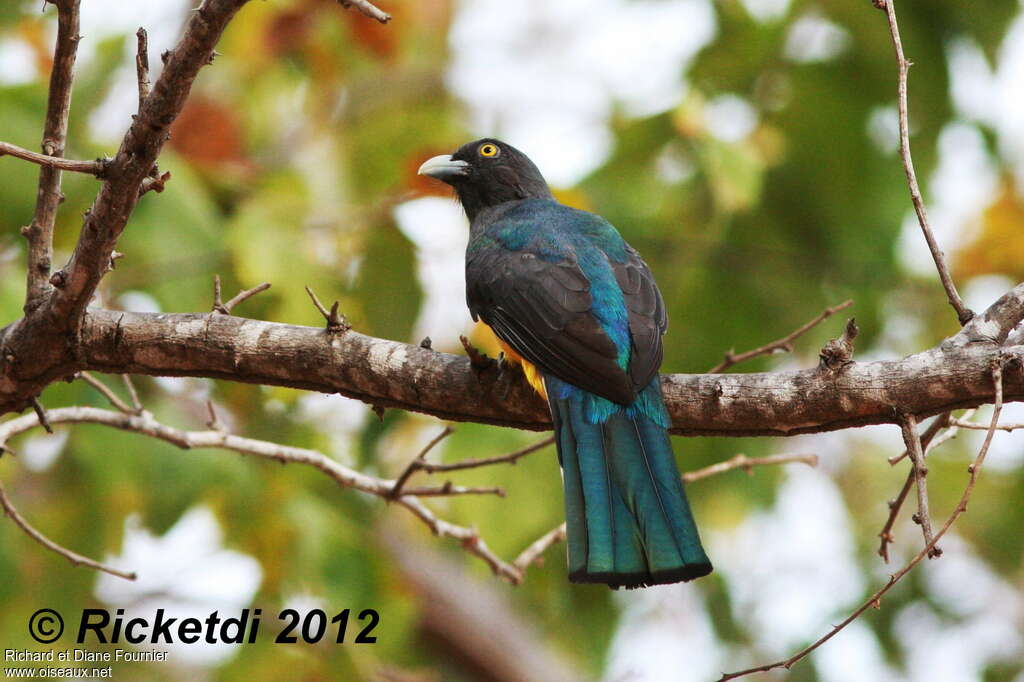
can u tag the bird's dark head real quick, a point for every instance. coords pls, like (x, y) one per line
(486, 173)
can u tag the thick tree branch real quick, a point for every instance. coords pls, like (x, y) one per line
(55, 132)
(392, 374)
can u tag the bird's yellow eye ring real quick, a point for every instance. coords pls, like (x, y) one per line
(488, 149)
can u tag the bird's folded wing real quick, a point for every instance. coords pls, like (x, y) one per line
(542, 309)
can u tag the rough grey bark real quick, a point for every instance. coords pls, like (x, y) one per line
(386, 373)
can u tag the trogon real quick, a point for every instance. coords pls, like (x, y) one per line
(578, 309)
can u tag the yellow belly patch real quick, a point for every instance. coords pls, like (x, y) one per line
(530, 370)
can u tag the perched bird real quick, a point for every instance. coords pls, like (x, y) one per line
(578, 309)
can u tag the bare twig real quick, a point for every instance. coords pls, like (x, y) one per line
(225, 308)
(73, 557)
(41, 414)
(130, 387)
(396, 490)
(941, 422)
(510, 458)
(96, 168)
(875, 600)
(741, 461)
(335, 321)
(448, 489)
(213, 422)
(55, 132)
(929, 441)
(533, 553)
(982, 427)
(784, 344)
(142, 65)
(923, 518)
(145, 424)
(963, 314)
(368, 9)
(107, 393)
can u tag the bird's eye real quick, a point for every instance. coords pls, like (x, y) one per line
(487, 149)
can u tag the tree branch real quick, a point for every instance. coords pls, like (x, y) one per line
(875, 600)
(784, 344)
(741, 461)
(398, 375)
(908, 426)
(55, 131)
(144, 424)
(96, 168)
(962, 312)
(73, 557)
(137, 155)
(929, 442)
(368, 9)
(142, 64)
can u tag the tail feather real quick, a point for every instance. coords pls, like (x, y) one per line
(628, 521)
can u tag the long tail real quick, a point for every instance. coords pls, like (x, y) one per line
(629, 523)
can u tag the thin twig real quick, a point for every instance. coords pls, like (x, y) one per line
(929, 441)
(73, 557)
(448, 490)
(225, 308)
(963, 314)
(741, 461)
(335, 321)
(941, 422)
(41, 414)
(874, 601)
(368, 9)
(532, 554)
(784, 344)
(908, 426)
(96, 168)
(981, 427)
(130, 387)
(55, 131)
(142, 65)
(145, 424)
(245, 295)
(213, 422)
(107, 393)
(396, 490)
(510, 458)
